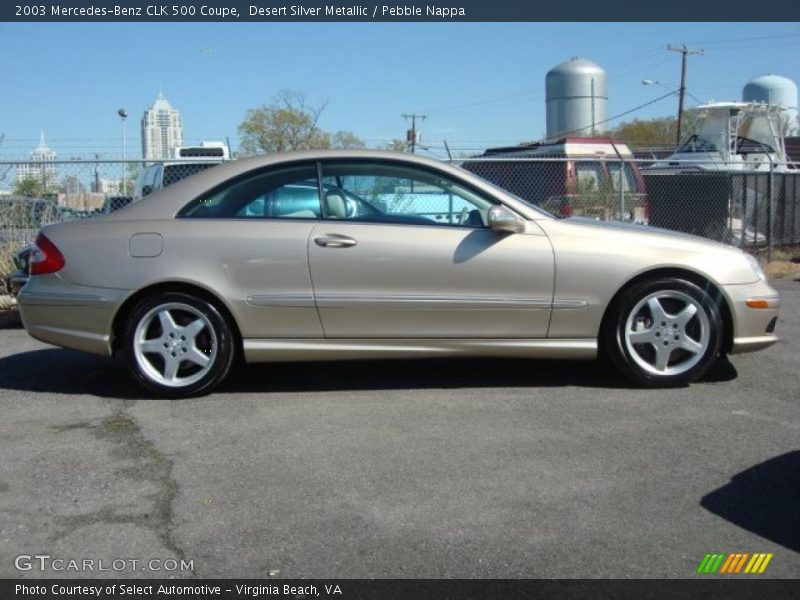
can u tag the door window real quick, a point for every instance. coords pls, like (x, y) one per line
(379, 192)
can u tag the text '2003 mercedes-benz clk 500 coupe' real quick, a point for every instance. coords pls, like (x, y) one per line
(365, 254)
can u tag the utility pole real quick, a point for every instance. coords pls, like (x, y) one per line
(685, 52)
(411, 134)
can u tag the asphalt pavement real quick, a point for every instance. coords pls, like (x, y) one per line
(445, 468)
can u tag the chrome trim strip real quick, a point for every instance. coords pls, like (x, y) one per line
(429, 301)
(281, 350)
(284, 300)
(569, 304)
(56, 299)
(416, 300)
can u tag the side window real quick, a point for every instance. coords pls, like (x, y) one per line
(145, 181)
(380, 192)
(589, 175)
(279, 193)
(628, 179)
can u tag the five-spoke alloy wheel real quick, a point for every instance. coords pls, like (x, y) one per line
(666, 332)
(178, 345)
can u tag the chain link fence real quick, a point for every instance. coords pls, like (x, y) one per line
(38, 193)
(753, 205)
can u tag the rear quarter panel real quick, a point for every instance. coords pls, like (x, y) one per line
(232, 259)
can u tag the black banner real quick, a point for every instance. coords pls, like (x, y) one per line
(399, 11)
(391, 589)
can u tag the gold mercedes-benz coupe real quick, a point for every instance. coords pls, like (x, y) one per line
(331, 255)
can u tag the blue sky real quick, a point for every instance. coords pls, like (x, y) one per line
(480, 84)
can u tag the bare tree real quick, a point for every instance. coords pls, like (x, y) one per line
(289, 122)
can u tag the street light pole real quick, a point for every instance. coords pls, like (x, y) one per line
(123, 114)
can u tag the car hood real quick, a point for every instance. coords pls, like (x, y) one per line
(638, 248)
(678, 236)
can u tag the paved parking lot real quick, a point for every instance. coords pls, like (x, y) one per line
(402, 469)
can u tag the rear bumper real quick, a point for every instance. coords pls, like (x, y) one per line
(67, 315)
(753, 328)
(15, 281)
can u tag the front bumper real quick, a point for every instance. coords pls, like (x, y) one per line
(68, 315)
(754, 308)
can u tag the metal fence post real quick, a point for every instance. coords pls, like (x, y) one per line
(771, 210)
(622, 189)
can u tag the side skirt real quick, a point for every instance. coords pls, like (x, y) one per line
(287, 350)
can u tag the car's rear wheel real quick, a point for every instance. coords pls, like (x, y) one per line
(664, 333)
(177, 345)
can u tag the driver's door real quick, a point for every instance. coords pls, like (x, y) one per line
(405, 253)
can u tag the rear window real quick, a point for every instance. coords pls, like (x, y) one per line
(290, 192)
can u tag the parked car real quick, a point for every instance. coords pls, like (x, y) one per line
(188, 161)
(570, 175)
(236, 261)
(157, 176)
(19, 277)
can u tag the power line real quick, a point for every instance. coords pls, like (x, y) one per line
(748, 39)
(488, 101)
(615, 117)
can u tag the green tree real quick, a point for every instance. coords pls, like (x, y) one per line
(29, 187)
(288, 123)
(659, 131)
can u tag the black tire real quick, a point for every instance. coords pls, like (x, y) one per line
(637, 337)
(196, 330)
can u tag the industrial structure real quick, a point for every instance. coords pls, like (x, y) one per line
(576, 99)
(776, 90)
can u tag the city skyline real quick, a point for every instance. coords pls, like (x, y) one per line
(480, 84)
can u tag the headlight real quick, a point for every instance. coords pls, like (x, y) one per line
(756, 268)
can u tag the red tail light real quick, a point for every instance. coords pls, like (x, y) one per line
(45, 257)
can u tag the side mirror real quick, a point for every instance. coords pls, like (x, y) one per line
(146, 190)
(502, 219)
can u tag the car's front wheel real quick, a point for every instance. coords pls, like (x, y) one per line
(664, 333)
(177, 345)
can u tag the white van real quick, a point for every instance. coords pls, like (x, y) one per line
(188, 161)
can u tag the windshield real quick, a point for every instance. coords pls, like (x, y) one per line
(711, 137)
(755, 135)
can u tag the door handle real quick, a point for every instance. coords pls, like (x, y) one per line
(334, 240)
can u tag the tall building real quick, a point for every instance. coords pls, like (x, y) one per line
(41, 168)
(162, 130)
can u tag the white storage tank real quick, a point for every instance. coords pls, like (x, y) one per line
(577, 98)
(778, 90)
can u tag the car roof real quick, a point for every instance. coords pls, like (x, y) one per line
(167, 202)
